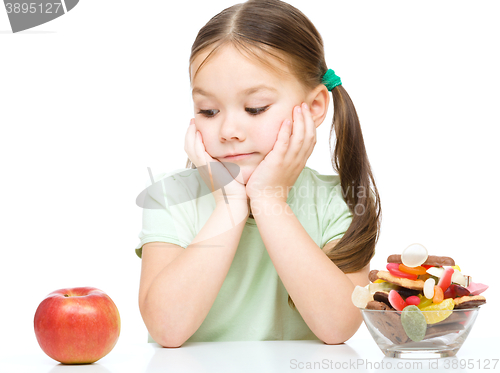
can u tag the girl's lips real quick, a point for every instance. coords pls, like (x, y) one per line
(237, 157)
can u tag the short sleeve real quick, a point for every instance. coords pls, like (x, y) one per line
(336, 218)
(161, 222)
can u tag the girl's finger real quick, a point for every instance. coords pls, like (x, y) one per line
(199, 148)
(285, 131)
(297, 139)
(283, 141)
(310, 130)
(207, 160)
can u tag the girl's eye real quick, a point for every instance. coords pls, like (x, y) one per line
(256, 111)
(252, 111)
(206, 113)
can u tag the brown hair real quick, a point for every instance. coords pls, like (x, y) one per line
(264, 28)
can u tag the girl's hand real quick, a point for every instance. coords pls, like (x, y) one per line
(224, 187)
(277, 173)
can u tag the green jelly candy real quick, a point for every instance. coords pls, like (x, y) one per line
(424, 302)
(414, 324)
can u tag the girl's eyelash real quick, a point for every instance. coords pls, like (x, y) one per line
(258, 111)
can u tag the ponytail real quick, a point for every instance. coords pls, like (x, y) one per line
(357, 246)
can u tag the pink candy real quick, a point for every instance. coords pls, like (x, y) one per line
(396, 300)
(445, 280)
(413, 300)
(476, 288)
(393, 268)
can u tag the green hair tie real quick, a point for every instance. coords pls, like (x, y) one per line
(331, 80)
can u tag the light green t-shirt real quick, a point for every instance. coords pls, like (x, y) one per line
(252, 304)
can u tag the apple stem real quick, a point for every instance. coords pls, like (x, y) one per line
(66, 295)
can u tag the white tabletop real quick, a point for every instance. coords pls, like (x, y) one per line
(359, 355)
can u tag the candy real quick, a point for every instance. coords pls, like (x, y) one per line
(429, 288)
(381, 296)
(383, 286)
(414, 323)
(424, 301)
(393, 268)
(458, 277)
(476, 288)
(417, 285)
(445, 280)
(441, 311)
(455, 291)
(424, 277)
(438, 295)
(469, 301)
(414, 255)
(412, 270)
(361, 296)
(435, 271)
(413, 300)
(396, 301)
(405, 293)
(468, 281)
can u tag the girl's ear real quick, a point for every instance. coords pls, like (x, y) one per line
(319, 101)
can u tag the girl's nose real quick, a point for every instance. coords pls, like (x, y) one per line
(231, 129)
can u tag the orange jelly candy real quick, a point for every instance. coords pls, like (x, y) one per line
(412, 270)
(438, 294)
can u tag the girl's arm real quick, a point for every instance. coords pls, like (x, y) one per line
(319, 289)
(177, 294)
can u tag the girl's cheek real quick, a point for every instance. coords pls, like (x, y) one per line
(273, 121)
(208, 141)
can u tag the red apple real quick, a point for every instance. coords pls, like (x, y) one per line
(78, 325)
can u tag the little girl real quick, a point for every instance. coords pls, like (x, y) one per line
(247, 243)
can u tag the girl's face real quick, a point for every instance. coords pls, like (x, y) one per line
(239, 106)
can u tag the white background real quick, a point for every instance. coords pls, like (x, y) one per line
(91, 99)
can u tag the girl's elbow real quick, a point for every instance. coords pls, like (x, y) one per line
(162, 334)
(337, 338)
(341, 335)
(171, 343)
(167, 340)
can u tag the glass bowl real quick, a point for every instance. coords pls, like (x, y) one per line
(442, 338)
